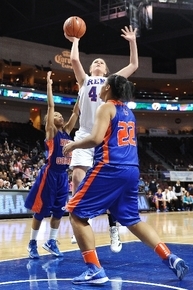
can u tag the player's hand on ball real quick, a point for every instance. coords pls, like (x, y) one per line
(70, 38)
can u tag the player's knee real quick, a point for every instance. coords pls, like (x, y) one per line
(39, 216)
(78, 175)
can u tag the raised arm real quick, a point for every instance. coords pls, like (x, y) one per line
(75, 60)
(130, 35)
(73, 118)
(50, 127)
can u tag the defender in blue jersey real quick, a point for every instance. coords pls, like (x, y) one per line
(112, 183)
(50, 190)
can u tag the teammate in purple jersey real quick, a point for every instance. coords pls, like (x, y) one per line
(112, 182)
(89, 101)
(50, 190)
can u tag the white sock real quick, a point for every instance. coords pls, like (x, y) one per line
(33, 234)
(53, 234)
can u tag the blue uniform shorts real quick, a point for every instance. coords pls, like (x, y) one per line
(48, 194)
(110, 188)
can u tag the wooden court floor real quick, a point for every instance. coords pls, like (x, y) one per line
(135, 267)
(174, 227)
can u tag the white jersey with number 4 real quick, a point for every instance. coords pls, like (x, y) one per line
(89, 101)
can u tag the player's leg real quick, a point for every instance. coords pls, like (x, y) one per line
(57, 203)
(32, 246)
(148, 235)
(51, 244)
(78, 175)
(116, 244)
(86, 242)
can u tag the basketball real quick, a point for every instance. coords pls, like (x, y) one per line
(74, 26)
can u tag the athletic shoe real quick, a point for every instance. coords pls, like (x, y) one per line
(177, 265)
(116, 244)
(93, 275)
(52, 247)
(32, 249)
(73, 240)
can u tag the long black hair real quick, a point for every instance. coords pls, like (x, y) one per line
(121, 88)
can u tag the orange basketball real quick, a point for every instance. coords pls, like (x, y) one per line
(74, 26)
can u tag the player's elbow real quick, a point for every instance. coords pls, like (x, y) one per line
(135, 66)
(74, 60)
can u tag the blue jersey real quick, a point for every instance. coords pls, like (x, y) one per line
(119, 146)
(112, 182)
(50, 190)
(54, 156)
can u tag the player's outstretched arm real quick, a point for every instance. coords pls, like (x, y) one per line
(73, 119)
(75, 60)
(130, 35)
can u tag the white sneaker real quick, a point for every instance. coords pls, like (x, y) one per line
(73, 240)
(116, 244)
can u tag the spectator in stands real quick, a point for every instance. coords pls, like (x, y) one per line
(141, 185)
(18, 185)
(12, 177)
(7, 184)
(188, 188)
(2, 186)
(177, 188)
(188, 201)
(15, 168)
(153, 186)
(170, 198)
(146, 187)
(157, 170)
(3, 165)
(150, 198)
(25, 171)
(159, 200)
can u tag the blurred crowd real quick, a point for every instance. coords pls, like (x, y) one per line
(19, 169)
(167, 196)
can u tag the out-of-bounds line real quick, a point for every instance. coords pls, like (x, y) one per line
(147, 283)
(70, 279)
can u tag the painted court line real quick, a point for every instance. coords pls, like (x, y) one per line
(70, 279)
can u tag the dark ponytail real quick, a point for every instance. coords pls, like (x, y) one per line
(121, 88)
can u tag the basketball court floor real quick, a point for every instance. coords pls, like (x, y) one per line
(135, 267)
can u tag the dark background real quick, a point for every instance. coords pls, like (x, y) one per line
(169, 37)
